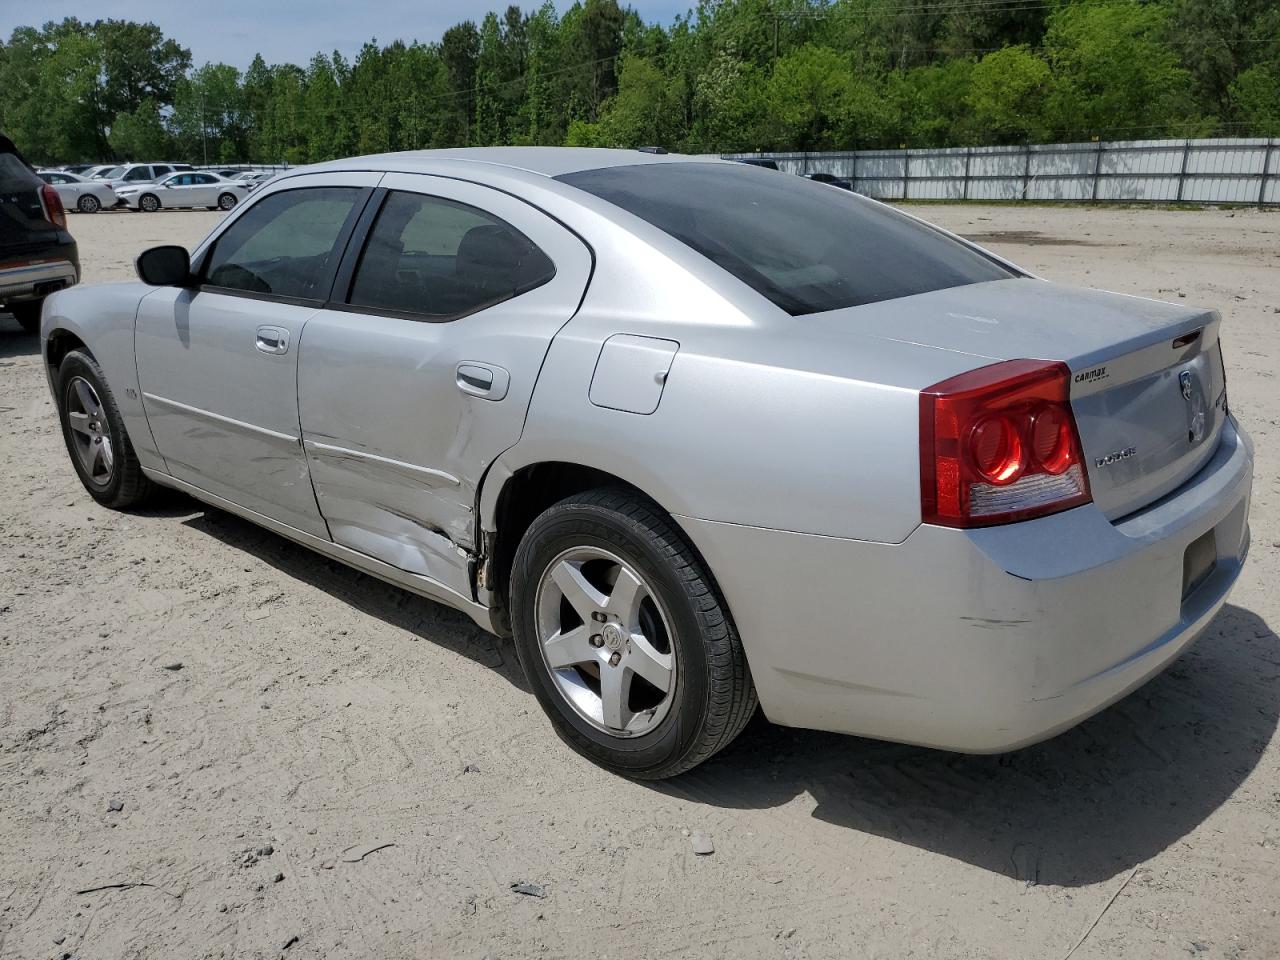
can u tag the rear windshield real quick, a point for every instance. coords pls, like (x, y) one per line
(807, 247)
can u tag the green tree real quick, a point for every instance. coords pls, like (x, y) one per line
(1255, 100)
(141, 134)
(1114, 76)
(1007, 94)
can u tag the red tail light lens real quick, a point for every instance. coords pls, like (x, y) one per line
(1000, 444)
(54, 212)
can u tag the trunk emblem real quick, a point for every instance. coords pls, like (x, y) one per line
(1116, 457)
(1196, 414)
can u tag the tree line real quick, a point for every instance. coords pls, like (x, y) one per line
(731, 75)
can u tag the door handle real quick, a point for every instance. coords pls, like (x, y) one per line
(272, 340)
(483, 380)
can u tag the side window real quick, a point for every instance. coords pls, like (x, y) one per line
(283, 244)
(160, 170)
(199, 178)
(138, 173)
(440, 259)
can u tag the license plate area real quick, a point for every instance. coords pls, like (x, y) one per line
(1198, 563)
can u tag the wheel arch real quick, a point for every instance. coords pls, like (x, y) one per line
(512, 496)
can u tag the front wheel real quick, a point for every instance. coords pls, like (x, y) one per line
(148, 203)
(94, 434)
(226, 201)
(624, 638)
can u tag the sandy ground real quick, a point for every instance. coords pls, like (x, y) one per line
(319, 713)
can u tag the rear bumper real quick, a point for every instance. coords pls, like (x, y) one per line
(32, 281)
(979, 640)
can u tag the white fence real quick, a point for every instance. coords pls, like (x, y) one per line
(1244, 171)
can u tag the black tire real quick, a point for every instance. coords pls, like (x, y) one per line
(227, 201)
(148, 203)
(714, 695)
(89, 204)
(27, 314)
(127, 485)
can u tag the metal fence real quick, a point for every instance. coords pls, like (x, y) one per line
(1243, 171)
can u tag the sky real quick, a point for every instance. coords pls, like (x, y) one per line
(232, 31)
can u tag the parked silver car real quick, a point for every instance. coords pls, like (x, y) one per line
(79, 193)
(184, 190)
(695, 433)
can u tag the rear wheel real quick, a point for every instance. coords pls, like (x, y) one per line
(27, 314)
(227, 201)
(89, 204)
(94, 434)
(624, 638)
(148, 203)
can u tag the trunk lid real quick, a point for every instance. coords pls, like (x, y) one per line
(1148, 386)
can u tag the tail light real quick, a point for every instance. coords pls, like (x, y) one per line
(1000, 444)
(54, 212)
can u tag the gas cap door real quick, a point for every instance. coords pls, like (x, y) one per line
(631, 372)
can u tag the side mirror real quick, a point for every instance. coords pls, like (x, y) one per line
(167, 266)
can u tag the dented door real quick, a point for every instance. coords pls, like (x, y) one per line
(411, 383)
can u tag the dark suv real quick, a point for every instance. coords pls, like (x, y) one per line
(37, 254)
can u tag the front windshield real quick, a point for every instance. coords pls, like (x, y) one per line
(108, 174)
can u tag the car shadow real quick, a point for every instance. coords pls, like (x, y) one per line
(1100, 798)
(14, 341)
(425, 619)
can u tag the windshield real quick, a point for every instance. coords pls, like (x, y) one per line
(804, 246)
(108, 174)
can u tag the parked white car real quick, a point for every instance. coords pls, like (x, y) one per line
(78, 193)
(184, 190)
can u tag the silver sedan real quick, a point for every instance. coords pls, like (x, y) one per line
(698, 436)
(80, 193)
(183, 190)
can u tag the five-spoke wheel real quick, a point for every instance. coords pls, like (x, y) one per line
(91, 431)
(95, 434)
(606, 641)
(624, 638)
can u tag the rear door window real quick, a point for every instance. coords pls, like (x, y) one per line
(438, 259)
(283, 246)
(804, 246)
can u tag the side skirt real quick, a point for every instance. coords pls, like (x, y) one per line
(413, 582)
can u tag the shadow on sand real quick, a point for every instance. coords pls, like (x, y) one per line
(1074, 810)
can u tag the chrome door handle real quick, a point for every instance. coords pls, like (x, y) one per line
(483, 380)
(273, 340)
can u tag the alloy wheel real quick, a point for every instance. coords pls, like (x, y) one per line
(90, 431)
(606, 641)
(149, 203)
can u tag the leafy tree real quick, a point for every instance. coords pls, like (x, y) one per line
(1255, 99)
(1007, 94)
(1113, 72)
(141, 134)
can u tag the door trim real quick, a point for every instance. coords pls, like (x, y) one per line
(423, 586)
(225, 421)
(435, 478)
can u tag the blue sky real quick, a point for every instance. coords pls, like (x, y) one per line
(232, 31)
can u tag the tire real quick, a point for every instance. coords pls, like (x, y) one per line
(27, 314)
(148, 203)
(710, 696)
(125, 485)
(226, 201)
(89, 204)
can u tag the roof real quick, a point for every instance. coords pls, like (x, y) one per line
(546, 161)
